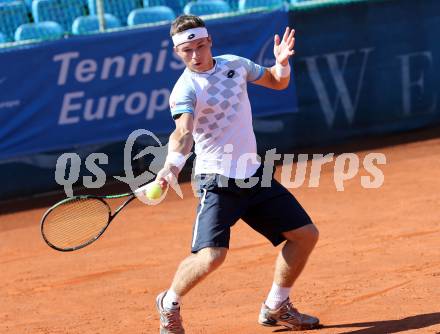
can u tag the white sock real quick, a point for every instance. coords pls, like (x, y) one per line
(276, 296)
(171, 300)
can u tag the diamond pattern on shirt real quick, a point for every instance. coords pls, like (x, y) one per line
(229, 83)
(213, 90)
(225, 104)
(208, 111)
(219, 116)
(213, 79)
(227, 93)
(226, 89)
(203, 120)
(236, 106)
(232, 117)
(212, 101)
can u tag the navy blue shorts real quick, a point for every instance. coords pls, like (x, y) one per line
(268, 210)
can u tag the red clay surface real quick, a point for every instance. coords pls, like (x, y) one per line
(376, 268)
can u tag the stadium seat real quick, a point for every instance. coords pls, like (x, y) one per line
(233, 4)
(118, 8)
(2, 38)
(62, 11)
(12, 15)
(150, 15)
(175, 5)
(207, 7)
(249, 4)
(40, 30)
(28, 5)
(90, 24)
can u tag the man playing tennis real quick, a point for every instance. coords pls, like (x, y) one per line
(211, 108)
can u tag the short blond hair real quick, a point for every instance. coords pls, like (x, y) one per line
(185, 22)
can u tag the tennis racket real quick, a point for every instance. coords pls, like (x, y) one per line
(76, 222)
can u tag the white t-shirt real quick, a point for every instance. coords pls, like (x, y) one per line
(223, 134)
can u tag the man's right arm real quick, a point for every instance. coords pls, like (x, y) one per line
(179, 146)
(181, 140)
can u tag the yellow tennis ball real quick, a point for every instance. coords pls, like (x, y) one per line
(154, 191)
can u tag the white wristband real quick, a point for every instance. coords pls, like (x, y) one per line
(282, 71)
(176, 159)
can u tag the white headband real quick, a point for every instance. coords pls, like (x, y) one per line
(189, 35)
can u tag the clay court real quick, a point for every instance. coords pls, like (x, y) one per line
(376, 268)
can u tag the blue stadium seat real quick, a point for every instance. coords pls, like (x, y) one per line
(40, 30)
(28, 4)
(233, 4)
(150, 15)
(207, 7)
(12, 15)
(175, 5)
(2, 38)
(118, 8)
(152, 3)
(249, 4)
(90, 24)
(62, 11)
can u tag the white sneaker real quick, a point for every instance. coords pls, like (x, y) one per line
(288, 316)
(170, 320)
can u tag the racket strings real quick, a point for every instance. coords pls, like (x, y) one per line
(76, 222)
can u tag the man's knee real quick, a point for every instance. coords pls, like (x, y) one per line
(307, 234)
(213, 257)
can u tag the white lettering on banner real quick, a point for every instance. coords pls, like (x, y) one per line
(337, 72)
(177, 65)
(162, 56)
(72, 67)
(86, 70)
(68, 106)
(90, 114)
(65, 59)
(146, 57)
(107, 65)
(9, 104)
(76, 108)
(115, 100)
(408, 83)
(154, 105)
(135, 103)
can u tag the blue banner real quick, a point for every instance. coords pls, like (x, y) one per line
(357, 75)
(98, 89)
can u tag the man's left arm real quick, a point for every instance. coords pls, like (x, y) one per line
(278, 76)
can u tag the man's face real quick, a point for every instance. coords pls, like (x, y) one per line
(196, 54)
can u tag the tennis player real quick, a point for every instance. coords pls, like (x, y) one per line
(211, 108)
